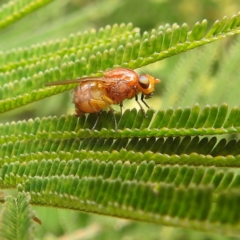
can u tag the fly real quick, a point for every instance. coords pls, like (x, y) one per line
(93, 94)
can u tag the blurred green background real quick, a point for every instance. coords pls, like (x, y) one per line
(60, 18)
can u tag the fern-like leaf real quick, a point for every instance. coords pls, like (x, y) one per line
(180, 122)
(16, 9)
(16, 218)
(159, 169)
(60, 166)
(171, 199)
(26, 70)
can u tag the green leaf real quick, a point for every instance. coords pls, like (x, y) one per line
(173, 201)
(108, 48)
(60, 167)
(16, 218)
(180, 122)
(14, 10)
(178, 167)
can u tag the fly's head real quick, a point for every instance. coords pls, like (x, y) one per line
(146, 84)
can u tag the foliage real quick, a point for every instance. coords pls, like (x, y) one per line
(176, 167)
(16, 218)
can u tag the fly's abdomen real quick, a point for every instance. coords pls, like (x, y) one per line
(88, 98)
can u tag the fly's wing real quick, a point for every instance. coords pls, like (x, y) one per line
(65, 82)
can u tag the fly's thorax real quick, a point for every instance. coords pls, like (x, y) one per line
(122, 74)
(120, 91)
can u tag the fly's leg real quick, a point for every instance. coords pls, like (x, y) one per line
(142, 99)
(100, 104)
(95, 124)
(136, 98)
(121, 106)
(108, 102)
(96, 105)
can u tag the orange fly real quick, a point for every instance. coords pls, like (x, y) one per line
(96, 93)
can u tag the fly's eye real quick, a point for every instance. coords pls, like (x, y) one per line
(143, 81)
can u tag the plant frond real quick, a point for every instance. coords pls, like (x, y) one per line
(16, 218)
(206, 79)
(16, 9)
(30, 32)
(85, 55)
(75, 47)
(59, 167)
(125, 164)
(159, 202)
(160, 150)
(170, 123)
(227, 81)
(175, 167)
